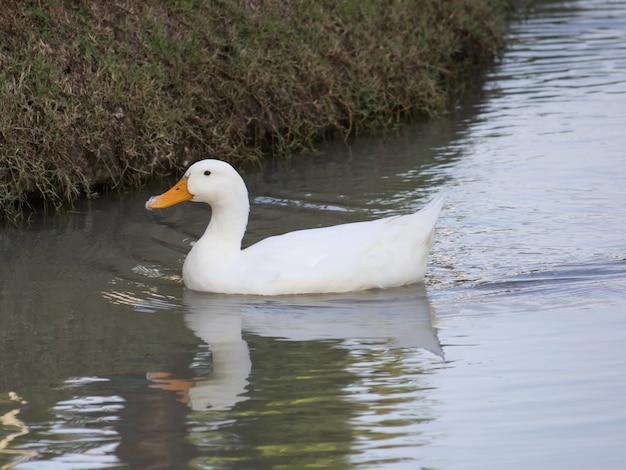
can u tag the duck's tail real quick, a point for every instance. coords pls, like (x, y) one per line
(430, 212)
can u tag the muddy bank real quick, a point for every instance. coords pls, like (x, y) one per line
(110, 94)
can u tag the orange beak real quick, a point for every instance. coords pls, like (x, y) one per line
(174, 195)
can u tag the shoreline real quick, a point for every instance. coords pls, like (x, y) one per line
(112, 96)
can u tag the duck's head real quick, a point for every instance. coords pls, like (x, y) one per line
(211, 181)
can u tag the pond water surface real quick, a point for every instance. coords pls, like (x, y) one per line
(511, 355)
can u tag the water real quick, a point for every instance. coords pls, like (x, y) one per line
(511, 355)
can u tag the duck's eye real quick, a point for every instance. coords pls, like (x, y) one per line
(207, 173)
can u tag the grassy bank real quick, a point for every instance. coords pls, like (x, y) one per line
(109, 94)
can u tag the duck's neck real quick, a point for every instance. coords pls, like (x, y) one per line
(228, 224)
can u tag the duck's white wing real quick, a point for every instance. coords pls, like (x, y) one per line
(379, 253)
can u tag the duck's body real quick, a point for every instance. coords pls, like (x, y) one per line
(375, 254)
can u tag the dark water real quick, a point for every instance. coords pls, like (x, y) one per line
(512, 355)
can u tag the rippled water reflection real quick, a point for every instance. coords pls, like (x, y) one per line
(511, 355)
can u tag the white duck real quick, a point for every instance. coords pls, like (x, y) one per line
(380, 253)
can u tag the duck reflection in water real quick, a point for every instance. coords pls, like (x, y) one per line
(401, 318)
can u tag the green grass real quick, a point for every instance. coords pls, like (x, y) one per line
(110, 94)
